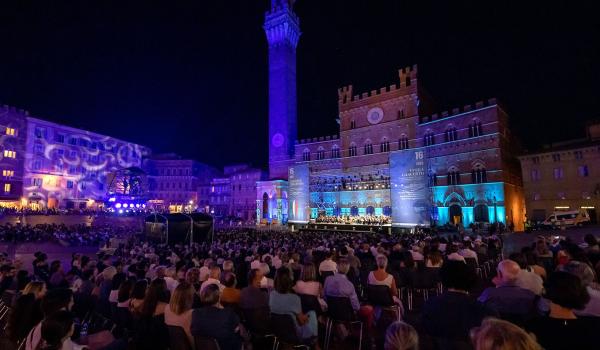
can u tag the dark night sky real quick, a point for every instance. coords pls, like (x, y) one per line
(191, 76)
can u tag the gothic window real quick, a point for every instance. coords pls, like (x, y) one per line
(432, 179)
(368, 148)
(429, 138)
(401, 114)
(352, 150)
(335, 152)
(478, 174)
(352, 124)
(320, 153)
(384, 146)
(475, 128)
(403, 142)
(306, 155)
(453, 176)
(556, 157)
(450, 134)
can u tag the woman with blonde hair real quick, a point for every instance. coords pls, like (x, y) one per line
(37, 288)
(495, 334)
(401, 336)
(179, 311)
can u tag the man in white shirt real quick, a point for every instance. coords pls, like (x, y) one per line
(467, 252)
(328, 265)
(213, 278)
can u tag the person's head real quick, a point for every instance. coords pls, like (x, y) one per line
(192, 276)
(157, 292)
(283, 280)
(566, 290)
(254, 277)
(22, 279)
(343, 266)
(109, 272)
(228, 265)
(401, 336)
(56, 328)
(435, 257)
(55, 266)
(182, 298)
(37, 288)
(125, 291)
(495, 334)
(228, 279)
(508, 271)
(139, 289)
(382, 261)
(309, 273)
(211, 295)
(215, 272)
(590, 239)
(520, 259)
(581, 270)
(117, 279)
(57, 299)
(457, 275)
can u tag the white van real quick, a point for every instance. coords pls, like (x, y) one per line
(567, 218)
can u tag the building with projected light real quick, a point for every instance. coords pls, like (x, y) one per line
(394, 162)
(48, 165)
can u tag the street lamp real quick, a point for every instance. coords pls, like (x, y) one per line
(191, 227)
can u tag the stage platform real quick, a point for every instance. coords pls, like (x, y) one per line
(341, 227)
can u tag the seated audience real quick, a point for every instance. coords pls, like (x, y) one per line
(495, 334)
(252, 296)
(308, 284)
(401, 336)
(179, 311)
(230, 294)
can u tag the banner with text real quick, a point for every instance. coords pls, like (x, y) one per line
(410, 193)
(298, 194)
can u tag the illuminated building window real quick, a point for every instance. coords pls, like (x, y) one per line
(403, 142)
(39, 132)
(535, 175)
(352, 151)
(320, 153)
(384, 146)
(582, 170)
(306, 155)
(36, 165)
(432, 179)
(536, 196)
(10, 154)
(429, 139)
(561, 195)
(6, 188)
(401, 114)
(8, 173)
(335, 152)
(83, 142)
(69, 184)
(37, 182)
(578, 155)
(585, 195)
(72, 141)
(535, 160)
(368, 148)
(60, 138)
(478, 175)
(475, 128)
(453, 177)
(451, 134)
(10, 131)
(556, 157)
(558, 173)
(38, 148)
(352, 124)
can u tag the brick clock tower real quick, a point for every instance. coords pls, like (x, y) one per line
(283, 31)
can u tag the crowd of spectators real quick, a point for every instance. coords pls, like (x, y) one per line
(450, 292)
(73, 235)
(376, 220)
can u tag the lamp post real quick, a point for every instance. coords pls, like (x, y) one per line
(166, 223)
(191, 228)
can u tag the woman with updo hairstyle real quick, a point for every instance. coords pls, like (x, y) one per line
(56, 328)
(401, 336)
(495, 334)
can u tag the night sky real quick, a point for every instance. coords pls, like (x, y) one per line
(191, 76)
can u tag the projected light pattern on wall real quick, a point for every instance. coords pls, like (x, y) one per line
(68, 168)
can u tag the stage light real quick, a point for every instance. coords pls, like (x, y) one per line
(143, 205)
(120, 211)
(137, 205)
(125, 205)
(118, 205)
(112, 199)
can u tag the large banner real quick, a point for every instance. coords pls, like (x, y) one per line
(298, 194)
(410, 193)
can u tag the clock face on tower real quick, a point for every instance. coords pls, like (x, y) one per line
(375, 115)
(277, 140)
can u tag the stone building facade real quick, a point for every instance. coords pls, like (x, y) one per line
(563, 176)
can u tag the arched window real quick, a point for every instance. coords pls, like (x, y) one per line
(352, 124)
(453, 176)
(451, 134)
(475, 128)
(306, 155)
(432, 179)
(401, 114)
(352, 150)
(335, 151)
(429, 138)
(403, 142)
(320, 153)
(478, 174)
(384, 146)
(368, 147)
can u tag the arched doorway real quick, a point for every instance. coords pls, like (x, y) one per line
(370, 210)
(481, 213)
(455, 214)
(265, 206)
(387, 210)
(354, 211)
